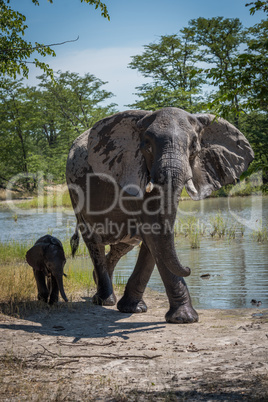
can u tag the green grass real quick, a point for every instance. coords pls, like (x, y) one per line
(17, 284)
(78, 280)
(219, 225)
(13, 251)
(216, 227)
(260, 235)
(190, 228)
(55, 200)
(119, 280)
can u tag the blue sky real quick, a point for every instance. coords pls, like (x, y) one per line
(105, 47)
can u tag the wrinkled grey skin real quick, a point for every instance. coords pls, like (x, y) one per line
(47, 259)
(152, 154)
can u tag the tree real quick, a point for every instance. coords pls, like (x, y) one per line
(14, 124)
(171, 66)
(219, 41)
(258, 5)
(15, 52)
(250, 71)
(78, 99)
(39, 124)
(255, 127)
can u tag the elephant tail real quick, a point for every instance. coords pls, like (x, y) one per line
(74, 241)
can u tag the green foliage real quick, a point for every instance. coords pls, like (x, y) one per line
(218, 39)
(171, 64)
(242, 87)
(15, 52)
(97, 4)
(40, 123)
(258, 5)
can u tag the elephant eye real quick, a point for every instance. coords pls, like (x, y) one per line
(147, 146)
(194, 148)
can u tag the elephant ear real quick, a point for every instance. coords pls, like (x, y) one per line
(35, 256)
(114, 151)
(225, 154)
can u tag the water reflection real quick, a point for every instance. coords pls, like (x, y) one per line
(238, 268)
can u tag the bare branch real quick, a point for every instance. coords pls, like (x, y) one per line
(40, 46)
(103, 355)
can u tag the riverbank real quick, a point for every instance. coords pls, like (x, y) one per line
(79, 351)
(223, 241)
(58, 196)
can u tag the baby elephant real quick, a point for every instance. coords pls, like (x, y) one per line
(47, 259)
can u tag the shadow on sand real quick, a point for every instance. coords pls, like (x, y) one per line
(76, 319)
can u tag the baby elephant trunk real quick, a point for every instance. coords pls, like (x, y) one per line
(60, 286)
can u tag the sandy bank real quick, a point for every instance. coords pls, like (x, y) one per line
(78, 351)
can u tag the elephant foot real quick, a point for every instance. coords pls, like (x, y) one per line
(127, 305)
(104, 301)
(184, 314)
(43, 298)
(53, 301)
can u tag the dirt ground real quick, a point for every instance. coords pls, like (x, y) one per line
(80, 352)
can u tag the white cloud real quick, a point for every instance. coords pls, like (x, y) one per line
(108, 64)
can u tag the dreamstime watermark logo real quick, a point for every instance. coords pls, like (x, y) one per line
(132, 202)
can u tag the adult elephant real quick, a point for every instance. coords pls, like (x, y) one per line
(125, 176)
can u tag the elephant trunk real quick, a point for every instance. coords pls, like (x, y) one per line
(60, 286)
(170, 173)
(168, 168)
(168, 260)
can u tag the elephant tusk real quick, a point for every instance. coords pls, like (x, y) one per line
(191, 187)
(149, 187)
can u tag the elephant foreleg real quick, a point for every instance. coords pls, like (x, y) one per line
(181, 310)
(132, 301)
(53, 290)
(163, 250)
(42, 289)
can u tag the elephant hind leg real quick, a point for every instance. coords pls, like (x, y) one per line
(132, 301)
(116, 252)
(105, 295)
